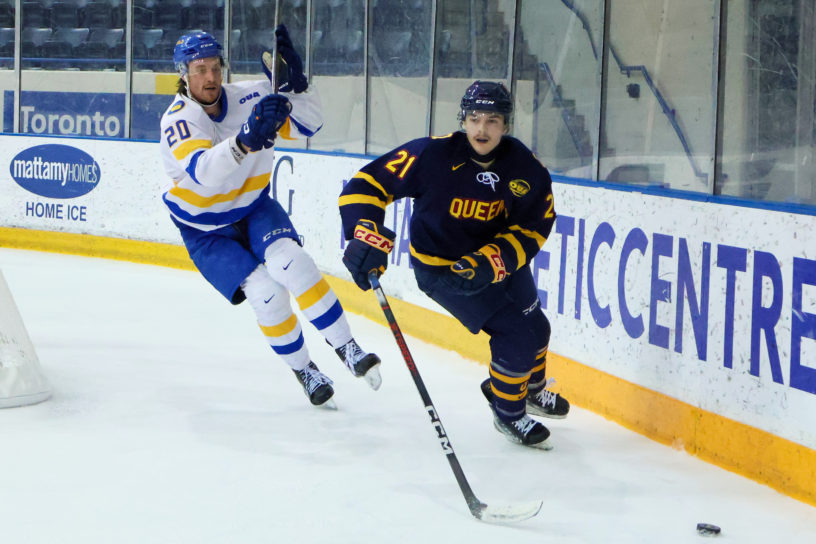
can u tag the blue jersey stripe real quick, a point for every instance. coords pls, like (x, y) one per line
(214, 218)
(191, 166)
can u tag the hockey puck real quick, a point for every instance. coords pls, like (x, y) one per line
(707, 529)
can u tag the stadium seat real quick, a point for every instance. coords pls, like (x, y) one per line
(35, 15)
(98, 15)
(64, 15)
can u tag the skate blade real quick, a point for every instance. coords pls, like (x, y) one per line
(536, 411)
(373, 378)
(543, 445)
(328, 405)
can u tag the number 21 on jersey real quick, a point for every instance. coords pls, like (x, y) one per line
(397, 163)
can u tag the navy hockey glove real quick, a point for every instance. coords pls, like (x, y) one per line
(368, 251)
(475, 271)
(267, 116)
(289, 75)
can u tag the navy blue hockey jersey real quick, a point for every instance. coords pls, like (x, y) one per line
(458, 205)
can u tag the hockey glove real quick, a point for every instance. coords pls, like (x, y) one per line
(289, 76)
(368, 251)
(475, 271)
(267, 116)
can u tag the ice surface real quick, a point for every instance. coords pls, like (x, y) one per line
(173, 422)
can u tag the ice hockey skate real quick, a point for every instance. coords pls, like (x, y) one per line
(545, 403)
(318, 386)
(525, 430)
(361, 364)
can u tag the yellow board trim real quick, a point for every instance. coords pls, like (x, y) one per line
(786, 466)
(166, 83)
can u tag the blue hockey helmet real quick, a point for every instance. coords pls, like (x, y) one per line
(487, 96)
(199, 45)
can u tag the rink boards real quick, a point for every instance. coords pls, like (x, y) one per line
(690, 321)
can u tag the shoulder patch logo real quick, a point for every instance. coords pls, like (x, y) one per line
(519, 187)
(455, 167)
(176, 106)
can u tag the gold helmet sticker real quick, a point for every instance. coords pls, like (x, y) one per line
(519, 187)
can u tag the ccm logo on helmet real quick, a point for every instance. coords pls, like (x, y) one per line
(373, 239)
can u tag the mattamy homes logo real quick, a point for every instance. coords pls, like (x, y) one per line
(55, 171)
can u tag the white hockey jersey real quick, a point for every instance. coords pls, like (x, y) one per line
(210, 188)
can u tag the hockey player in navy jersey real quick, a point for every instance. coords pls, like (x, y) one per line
(217, 147)
(483, 207)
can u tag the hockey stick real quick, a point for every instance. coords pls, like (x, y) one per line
(271, 60)
(491, 514)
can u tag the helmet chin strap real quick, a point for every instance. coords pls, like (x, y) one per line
(202, 104)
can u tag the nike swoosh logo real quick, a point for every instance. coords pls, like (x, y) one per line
(287, 264)
(267, 300)
(457, 166)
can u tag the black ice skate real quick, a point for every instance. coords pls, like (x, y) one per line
(318, 386)
(525, 431)
(541, 402)
(361, 364)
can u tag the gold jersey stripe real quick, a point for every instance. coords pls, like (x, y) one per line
(536, 368)
(429, 259)
(313, 294)
(286, 130)
(345, 200)
(280, 329)
(189, 146)
(370, 179)
(530, 234)
(254, 183)
(505, 396)
(521, 255)
(513, 380)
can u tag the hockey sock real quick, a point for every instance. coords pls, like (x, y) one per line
(279, 325)
(289, 264)
(538, 375)
(509, 391)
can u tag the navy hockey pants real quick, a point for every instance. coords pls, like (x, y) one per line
(509, 312)
(226, 256)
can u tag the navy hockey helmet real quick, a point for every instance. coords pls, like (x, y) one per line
(199, 45)
(487, 96)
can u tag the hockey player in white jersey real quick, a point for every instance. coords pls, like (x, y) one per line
(217, 147)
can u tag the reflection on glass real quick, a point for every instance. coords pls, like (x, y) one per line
(73, 60)
(337, 70)
(769, 96)
(558, 87)
(7, 78)
(253, 32)
(399, 64)
(659, 114)
(472, 42)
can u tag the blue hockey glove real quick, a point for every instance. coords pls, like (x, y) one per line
(289, 75)
(475, 271)
(368, 251)
(267, 116)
